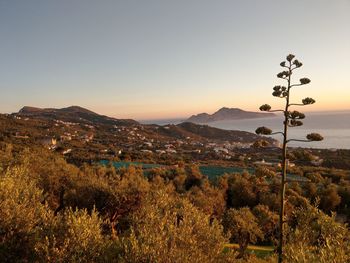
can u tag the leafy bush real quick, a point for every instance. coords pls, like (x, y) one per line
(243, 227)
(22, 215)
(169, 229)
(316, 237)
(74, 236)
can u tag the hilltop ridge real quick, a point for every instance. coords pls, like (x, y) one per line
(72, 114)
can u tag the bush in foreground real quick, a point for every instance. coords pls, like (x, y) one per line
(169, 229)
(316, 237)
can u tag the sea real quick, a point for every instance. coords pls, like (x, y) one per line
(333, 126)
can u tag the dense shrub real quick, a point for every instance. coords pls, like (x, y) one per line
(23, 215)
(74, 236)
(242, 226)
(169, 229)
(316, 237)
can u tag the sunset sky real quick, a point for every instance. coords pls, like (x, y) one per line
(165, 59)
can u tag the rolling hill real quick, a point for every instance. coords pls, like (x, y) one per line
(72, 114)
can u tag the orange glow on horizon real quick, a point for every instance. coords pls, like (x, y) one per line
(169, 114)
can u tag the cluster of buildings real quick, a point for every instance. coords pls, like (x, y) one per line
(66, 137)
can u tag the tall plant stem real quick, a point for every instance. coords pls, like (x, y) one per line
(284, 173)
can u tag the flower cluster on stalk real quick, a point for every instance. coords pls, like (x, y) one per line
(293, 118)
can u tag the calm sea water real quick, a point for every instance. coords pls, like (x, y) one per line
(333, 126)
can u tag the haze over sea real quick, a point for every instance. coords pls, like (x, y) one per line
(333, 126)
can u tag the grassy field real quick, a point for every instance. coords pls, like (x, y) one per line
(259, 251)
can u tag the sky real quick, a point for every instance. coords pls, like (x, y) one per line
(166, 59)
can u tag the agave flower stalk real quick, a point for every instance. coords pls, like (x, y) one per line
(291, 119)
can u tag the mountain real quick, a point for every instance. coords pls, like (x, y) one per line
(227, 114)
(74, 114)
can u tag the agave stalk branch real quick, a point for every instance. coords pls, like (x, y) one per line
(298, 140)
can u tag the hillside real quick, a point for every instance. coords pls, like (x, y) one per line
(224, 114)
(74, 114)
(83, 135)
(208, 132)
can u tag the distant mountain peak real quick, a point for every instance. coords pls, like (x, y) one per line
(226, 113)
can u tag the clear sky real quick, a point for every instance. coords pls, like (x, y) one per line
(163, 59)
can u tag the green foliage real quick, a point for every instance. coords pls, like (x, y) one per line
(194, 176)
(74, 236)
(246, 190)
(29, 231)
(169, 229)
(294, 199)
(330, 198)
(22, 215)
(344, 193)
(114, 196)
(302, 155)
(208, 199)
(179, 183)
(316, 237)
(6, 152)
(242, 226)
(264, 172)
(174, 215)
(268, 222)
(50, 172)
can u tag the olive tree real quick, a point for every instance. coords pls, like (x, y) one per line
(243, 227)
(168, 228)
(317, 237)
(291, 119)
